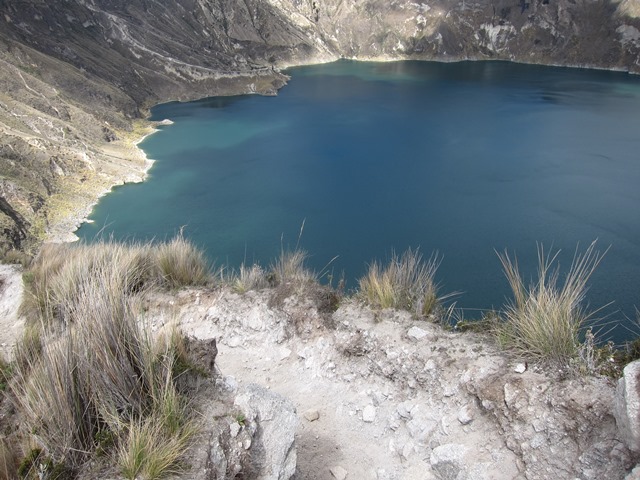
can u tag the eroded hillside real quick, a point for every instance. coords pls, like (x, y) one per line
(77, 77)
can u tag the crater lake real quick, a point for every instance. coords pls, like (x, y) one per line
(466, 159)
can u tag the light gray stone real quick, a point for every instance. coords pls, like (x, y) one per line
(272, 420)
(408, 449)
(404, 409)
(369, 414)
(284, 353)
(627, 406)
(338, 472)
(234, 429)
(520, 368)
(465, 415)
(447, 461)
(416, 333)
(312, 415)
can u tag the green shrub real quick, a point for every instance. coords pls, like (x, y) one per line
(407, 283)
(544, 319)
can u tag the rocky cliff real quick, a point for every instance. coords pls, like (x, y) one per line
(78, 76)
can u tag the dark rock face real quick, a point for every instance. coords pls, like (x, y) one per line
(76, 74)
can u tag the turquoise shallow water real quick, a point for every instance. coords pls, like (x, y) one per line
(463, 158)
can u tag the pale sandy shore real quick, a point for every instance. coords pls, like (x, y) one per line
(134, 168)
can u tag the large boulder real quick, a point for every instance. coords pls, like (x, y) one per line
(627, 406)
(272, 421)
(248, 432)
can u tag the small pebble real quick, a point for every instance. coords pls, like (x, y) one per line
(312, 415)
(338, 473)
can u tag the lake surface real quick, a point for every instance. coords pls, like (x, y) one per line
(464, 159)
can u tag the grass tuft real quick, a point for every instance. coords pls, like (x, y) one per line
(60, 272)
(249, 278)
(88, 370)
(406, 282)
(290, 267)
(544, 319)
(149, 452)
(181, 263)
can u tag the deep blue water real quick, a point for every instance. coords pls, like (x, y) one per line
(464, 158)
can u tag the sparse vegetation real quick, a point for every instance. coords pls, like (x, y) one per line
(545, 319)
(5, 373)
(60, 272)
(181, 263)
(9, 461)
(406, 282)
(249, 278)
(91, 382)
(290, 267)
(15, 257)
(88, 378)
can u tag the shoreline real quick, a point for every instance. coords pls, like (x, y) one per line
(64, 230)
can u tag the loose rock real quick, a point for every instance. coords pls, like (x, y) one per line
(312, 415)
(369, 413)
(416, 333)
(338, 473)
(520, 368)
(447, 460)
(465, 416)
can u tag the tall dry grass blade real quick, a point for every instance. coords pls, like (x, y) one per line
(249, 278)
(544, 320)
(407, 282)
(290, 267)
(181, 263)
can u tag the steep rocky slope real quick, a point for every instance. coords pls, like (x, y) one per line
(77, 76)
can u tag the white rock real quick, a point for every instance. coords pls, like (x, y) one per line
(338, 472)
(416, 333)
(520, 368)
(447, 460)
(465, 416)
(626, 407)
(278, 422)
(234, 429)
(369, 413)
(407, 450)
(312, 415)
(404, 409)
(284, 353)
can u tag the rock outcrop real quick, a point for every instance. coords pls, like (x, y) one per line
(76, 75)
(248, 432)
(377, 402)
(627, 406)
